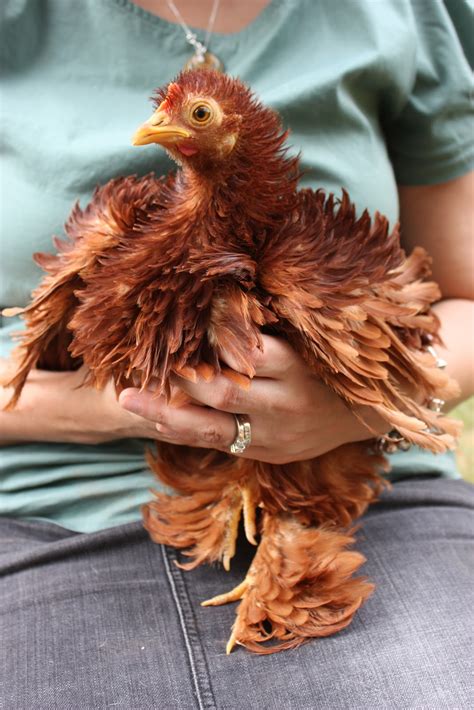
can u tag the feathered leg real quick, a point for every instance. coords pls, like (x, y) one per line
(300, 583)
(299, 586)
(215, 492)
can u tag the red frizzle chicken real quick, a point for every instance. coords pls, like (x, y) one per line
(160, 275)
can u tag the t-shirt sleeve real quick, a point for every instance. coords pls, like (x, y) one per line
(431, 139)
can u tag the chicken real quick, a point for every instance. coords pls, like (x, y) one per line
(161, 275)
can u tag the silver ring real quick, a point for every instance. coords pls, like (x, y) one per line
(244, 434)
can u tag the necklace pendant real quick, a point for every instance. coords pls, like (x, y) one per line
(204, 61)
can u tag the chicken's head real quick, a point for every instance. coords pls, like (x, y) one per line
(205, 119)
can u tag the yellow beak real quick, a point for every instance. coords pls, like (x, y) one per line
(158, 129)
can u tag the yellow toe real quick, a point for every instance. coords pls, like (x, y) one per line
(231, 642)
(232, 596)
(249, 510)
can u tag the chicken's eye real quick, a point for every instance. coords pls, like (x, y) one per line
(202, 114)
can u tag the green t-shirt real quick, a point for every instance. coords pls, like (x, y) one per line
(375, 92)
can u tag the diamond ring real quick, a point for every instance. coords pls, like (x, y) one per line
(244, 434)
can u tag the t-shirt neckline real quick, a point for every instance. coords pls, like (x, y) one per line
(168, 27)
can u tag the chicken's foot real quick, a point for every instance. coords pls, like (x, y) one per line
(235, 595)
(300, 585)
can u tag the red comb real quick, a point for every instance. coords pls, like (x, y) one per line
(173, 96)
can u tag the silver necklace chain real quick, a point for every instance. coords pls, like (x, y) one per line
(200, 47)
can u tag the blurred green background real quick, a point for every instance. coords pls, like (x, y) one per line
(465, 452)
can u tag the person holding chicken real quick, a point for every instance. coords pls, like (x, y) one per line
(87, 488)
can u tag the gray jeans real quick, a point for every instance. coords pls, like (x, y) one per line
(106, 620)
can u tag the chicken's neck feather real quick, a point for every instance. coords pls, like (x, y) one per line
(245, 199)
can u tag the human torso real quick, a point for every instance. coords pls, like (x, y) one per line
(76, 81)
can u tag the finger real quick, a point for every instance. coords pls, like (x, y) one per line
(275, 360)
(190, 425)
(200, 427)
(227, 396)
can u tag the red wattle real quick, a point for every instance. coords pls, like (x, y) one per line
(187, 149)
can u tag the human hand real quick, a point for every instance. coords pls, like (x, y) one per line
(294, 416)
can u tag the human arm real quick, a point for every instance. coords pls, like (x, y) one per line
(54, 407)
(441, 219)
